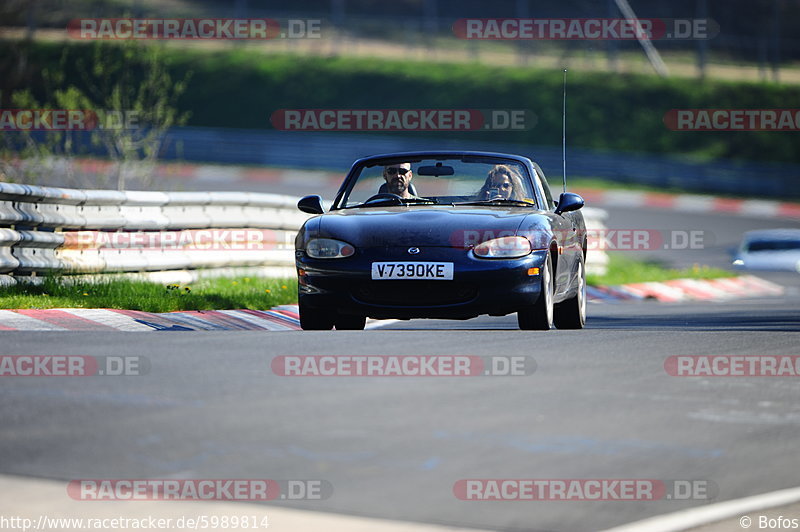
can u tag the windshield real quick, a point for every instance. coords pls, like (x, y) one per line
(493, 181)
(773, 245)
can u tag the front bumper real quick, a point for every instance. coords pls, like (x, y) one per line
(479, 286)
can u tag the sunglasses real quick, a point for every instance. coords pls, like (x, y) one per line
(394, 170)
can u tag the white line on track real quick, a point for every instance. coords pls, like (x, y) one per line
(255, 320)
(694, 517)
(109, 317)
(379, 324)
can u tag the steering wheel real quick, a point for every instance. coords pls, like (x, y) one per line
(385, 196)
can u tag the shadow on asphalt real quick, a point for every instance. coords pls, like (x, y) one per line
(755, 320)
(783, 315)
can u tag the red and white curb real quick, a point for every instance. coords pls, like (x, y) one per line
(679, 290)
(596, 197)
(690, 203)
(283, 318)
(286, 318)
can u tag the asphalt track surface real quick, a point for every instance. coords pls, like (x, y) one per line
(599, 405)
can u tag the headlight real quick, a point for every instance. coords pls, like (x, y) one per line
(507, 247)
(328, 248)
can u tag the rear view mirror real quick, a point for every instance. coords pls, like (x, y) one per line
(436, 170)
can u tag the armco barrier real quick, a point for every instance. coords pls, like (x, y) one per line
(596, 259)
(45, 229)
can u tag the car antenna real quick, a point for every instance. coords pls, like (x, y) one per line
(564, 131)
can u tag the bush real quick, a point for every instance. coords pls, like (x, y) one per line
(241, 89)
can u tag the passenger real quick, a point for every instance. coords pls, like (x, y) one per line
(503, 182)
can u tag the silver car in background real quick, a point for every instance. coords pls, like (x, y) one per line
(773, 249)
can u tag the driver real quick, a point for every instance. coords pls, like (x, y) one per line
(398, 179)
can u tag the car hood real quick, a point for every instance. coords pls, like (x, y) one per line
(776, 260)
(440, 226)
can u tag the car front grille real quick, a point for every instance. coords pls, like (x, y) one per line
(414, 293)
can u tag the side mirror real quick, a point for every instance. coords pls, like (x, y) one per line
(311, 204)
(569, 202)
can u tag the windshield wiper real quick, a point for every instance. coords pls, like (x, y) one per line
(384, 203)
(499, 201)
(420, 201)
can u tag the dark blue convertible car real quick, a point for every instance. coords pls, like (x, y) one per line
(442, 235)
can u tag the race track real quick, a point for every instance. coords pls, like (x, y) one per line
(600, 405)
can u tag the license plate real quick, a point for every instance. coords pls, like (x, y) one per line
(436, 271)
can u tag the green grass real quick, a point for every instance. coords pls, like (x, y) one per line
(256, 293)
(206, 294)
(622, 270)
(625, 114)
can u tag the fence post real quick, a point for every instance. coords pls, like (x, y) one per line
(611, 45)
(776, 40)
(702, 45)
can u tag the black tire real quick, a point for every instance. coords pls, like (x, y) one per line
(314, 319)
(539, 316)
(349, 322)
(571, 314)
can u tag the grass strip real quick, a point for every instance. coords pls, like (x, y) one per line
(205, 294)
(619, 111)
(623, 270)
(257, 293)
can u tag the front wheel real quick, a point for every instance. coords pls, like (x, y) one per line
(571, 314)
(348, 322)
(539, 316)
(314, 319)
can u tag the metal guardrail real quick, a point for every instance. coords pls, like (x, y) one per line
(44, 229)
(73, 231)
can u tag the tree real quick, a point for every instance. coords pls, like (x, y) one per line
(128, 93)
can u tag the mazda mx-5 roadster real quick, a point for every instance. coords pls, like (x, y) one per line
(442, 235)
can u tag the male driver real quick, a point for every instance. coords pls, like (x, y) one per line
(398, 179)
